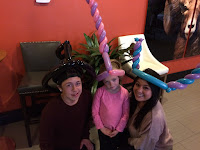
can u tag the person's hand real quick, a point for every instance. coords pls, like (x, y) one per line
(114, 133)
(87, 143)
(106, 131)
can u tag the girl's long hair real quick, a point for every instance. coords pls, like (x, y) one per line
(149, 103)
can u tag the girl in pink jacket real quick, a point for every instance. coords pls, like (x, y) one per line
(110, 109)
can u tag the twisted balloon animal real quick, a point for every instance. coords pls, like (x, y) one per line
(102, 39)
(171, 86)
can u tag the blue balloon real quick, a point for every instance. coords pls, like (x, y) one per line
(135, 63)
(185, 81)
(197, 70)
(150, 78)
(136, 52)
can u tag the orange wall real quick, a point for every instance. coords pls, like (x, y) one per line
(24, 20)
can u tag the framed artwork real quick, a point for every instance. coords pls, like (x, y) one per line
(172, 28)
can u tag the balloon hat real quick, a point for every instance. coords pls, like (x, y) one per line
(103, 47)
(67, 65)
(171, 86)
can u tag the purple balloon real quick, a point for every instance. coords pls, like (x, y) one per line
(93, 9)
(100, 29)
(106, 48)
(177, 85)
(192, 76)
(137, 45)
(102, 36)
(141, 40)
(136, 57)
(107, 62)
(88, 1)
(102, 76)
(98, 22)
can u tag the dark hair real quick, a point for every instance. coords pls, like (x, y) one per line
(150, 103)
(59, 78)
(72, 68)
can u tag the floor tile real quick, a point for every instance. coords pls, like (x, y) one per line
(191, 121)
(178, 146)
(179, 132)
(192, 143)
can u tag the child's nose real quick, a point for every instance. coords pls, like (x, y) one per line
(111, 84)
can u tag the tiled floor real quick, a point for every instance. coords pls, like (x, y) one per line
(182, 109)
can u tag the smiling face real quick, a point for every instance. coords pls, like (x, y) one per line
(112, 83)
(142, 91)
(71, 89)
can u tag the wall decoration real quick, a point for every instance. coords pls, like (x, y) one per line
(173, 28)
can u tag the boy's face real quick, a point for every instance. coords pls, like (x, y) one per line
(112, 83)
(71, 90)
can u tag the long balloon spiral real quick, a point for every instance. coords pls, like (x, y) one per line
(171, 86)
(103, 46)
(188, 79)
(136, 54)
(101, 33)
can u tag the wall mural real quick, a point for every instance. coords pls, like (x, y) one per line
(173, 29)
